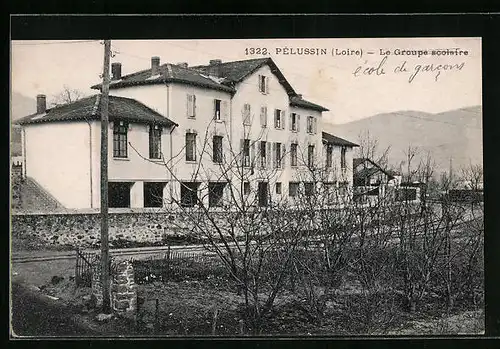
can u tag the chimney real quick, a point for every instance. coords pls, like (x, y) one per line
(155, 65)
(41, 104)
(182, 64)
(116, 70)
(214, 67)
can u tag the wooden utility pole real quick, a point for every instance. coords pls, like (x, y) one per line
(105, 277)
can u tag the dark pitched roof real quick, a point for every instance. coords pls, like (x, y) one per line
(236, 71)
(299, 102)
(230, 73)
(89, 108)
(367, 172)
(167, 73)
(329, 138)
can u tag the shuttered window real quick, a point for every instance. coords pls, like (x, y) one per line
(310, 156)
(217, 149)
(293, 154)
(246, 114)
(343, 163)
(329, 155)
(190, 146)
(217, 109)
(191, 106)
(263, 116)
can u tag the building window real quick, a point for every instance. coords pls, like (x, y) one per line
(308, 188)
(190, 146)
(217, 149)
(278, 188)
(310, 124)
(189, 194)
(120, 130)
(278, 154)
(343, 163)
(263, 154)
(263, 116)
(293, 154)
(294, 122)
(155, 142)
(263, 84)
(293, 189)
(119, 194)
(246, 114)
(153, 194)
(217, 115)
(246, 153)
(310, 156)
(278, 120)
(329, 155)
(246, 188)
(215, 194)
(191, 106)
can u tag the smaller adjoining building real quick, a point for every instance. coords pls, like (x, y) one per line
(371, 182)
(61, 152)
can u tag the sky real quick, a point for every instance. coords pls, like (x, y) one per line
(355, 78)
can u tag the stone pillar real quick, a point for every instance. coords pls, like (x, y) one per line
(97, 285)
(123, 289)
(137, 195)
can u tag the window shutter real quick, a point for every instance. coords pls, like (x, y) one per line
(269, 155)
(214, 109)
(315, 125)
(188, 105)
(263, 116)
(260, 82)
(283, 155)
(290, 121)
(194, 105)
(274, 155)
(298, 122)
(242, 154)
(252, 154)
(282, 117)
(225, 110)
(267, 84)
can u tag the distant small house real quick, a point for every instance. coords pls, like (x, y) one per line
(371, 182)
(369, 173)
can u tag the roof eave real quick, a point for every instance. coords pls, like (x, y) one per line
(161, 82)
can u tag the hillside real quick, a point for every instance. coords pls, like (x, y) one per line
(20, 106)
(455, 134)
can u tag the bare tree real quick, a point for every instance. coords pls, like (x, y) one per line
(369, 148)
(67, 95)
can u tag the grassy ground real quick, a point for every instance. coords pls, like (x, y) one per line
(188, 308)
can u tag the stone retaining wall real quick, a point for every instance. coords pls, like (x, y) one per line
(83, 230)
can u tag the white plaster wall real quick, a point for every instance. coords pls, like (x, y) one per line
(58, 158)
(137, 167)
(154, 96)
(205, 127)
(276, 98)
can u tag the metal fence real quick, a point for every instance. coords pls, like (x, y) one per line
(86, 264)
(176, 266)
